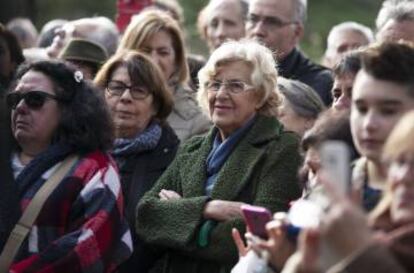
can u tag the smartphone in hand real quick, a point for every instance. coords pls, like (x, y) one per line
(335, 161)
(256, 219)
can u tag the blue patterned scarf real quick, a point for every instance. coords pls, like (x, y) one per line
(144, 141)
(220, 151)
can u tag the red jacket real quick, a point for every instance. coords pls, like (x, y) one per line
(81, 227)
(126, 9)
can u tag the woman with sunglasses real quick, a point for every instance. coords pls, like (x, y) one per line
(80, 228)
(246, 158)
(145, 144)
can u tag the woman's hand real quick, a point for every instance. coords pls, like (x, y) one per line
(309, 247)
(238, 241)
(168, 195)
(343, 230)
(278, 245)
(221, 210)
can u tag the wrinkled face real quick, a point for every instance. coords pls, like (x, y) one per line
(230, 111)
(6, 64)
(345, 41)
(161, 50)
(272, 23)
(342, 91)
(401, 177)
(131, 116)
(225, 22)
(291, 120)
(393, 31)
(34, 128)
(376, 107)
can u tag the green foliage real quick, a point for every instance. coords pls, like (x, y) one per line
(73, 9)
(324, 14)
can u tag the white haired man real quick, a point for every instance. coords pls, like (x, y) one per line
(343, 38)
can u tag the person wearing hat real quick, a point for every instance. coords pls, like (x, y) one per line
(85, 56)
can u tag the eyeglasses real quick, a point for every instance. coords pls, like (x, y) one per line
(230, 86)
(117, 88)
(33, 99)
(268, 22)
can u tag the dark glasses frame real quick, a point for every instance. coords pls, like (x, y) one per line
(33, 99)
(117, 88)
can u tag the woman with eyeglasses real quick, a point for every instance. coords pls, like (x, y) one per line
(158, 35)
(246, 158)
(55, 115)
(145, 144)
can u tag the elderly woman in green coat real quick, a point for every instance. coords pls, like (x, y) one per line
(246, 158)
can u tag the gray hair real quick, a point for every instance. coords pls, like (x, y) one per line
(398, 10)
(104, 32)
(264, 75)
(243, 4)
(301, 7)
(352, 26)
(202, 20)
(304, 101)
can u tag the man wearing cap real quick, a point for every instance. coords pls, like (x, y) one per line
(85, 56)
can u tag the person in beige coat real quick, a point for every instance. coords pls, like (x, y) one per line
(158, 35)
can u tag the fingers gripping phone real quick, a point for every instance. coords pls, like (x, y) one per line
(256, 219)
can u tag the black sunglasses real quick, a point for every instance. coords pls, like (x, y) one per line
(33, 99)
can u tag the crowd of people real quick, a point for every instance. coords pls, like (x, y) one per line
(122, 152)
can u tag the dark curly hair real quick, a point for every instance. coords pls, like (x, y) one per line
(85, 122)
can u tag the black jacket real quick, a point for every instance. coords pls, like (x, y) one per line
(138, 173)
(9, 201)
(297, 66)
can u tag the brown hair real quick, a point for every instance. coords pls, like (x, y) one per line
(330, 125)
(143, 72)
(146, 24)
(392, 62)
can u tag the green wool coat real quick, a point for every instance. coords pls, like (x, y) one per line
(261, 170)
